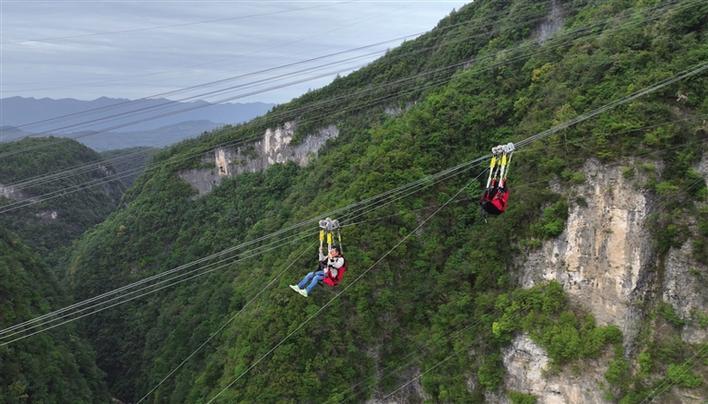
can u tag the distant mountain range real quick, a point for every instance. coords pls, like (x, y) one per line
(128, 123)
(159, 137)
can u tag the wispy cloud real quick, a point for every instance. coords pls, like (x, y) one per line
(132, 49)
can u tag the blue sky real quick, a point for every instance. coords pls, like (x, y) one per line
(87, 49)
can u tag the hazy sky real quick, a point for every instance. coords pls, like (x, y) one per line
(86, 49)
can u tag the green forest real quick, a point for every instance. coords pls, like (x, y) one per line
(441, 306)
(50, 368)
(50, 225)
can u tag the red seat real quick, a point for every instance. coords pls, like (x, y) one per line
(334, 281)
(495, 201)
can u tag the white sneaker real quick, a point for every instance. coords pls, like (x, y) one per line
(303, 292)
(295, 288)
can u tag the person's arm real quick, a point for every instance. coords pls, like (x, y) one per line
(322, 256)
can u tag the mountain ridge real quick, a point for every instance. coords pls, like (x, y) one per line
(439, 303)
(18, 111)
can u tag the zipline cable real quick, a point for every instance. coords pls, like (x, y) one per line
(353, 282)
(629, 98)
(113, 177)
(437, 364)
(171, 282)
(26, 324)
(72, 310)
(405, 54)
(271, 69)
(506, 61)
(369, 201)
(623, 100)
(236, 97)
(37, 179)
(667, 383)
(98, 310)
(225, 324)
(696, 69)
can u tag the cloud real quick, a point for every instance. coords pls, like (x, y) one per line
(131, 49)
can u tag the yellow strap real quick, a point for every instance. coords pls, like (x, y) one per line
(321, 235)
(493, 162)
(329, 238)
(506, 174)
(503, 162)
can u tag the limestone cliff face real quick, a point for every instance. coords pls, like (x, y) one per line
(607, 264)
(10, 192)
(604, 258)
(554, 22)
(686, 281)
(526, 364)
(275, 148)
(411, 392)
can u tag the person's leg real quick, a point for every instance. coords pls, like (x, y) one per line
(305, 280)
(318, 276)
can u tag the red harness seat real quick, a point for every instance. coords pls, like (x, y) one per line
(334, 280)
(495, 200)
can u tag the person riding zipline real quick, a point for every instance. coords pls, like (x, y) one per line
(495, 198)
(331, 268)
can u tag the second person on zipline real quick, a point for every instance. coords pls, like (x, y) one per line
(329, 267)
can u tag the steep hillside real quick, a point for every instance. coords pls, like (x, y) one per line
(131, 158)
(55, 220)
(465, 305)
(56, 367)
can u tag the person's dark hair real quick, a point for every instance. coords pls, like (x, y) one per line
(339, 250)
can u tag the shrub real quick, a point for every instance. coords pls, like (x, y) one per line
(617, 373)
(552, 222)
(491, 372)
(542, 312)
(683, 376)
(669, 314)
(517, 397)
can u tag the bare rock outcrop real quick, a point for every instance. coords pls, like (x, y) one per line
(686, 281)
(604, 258)
(275, 148)
(553, 22)
(10, 192)
(526, 364)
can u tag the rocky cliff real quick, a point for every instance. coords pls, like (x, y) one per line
(608, 264)
(604, 258)
(276, 147)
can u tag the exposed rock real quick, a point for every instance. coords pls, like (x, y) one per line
(203, 180)
(393, 111)
(397, 110)
(275, 148)
(553, 22)
(685, 282)
(603, 258)
(684, 288)
(526, 364)
(412, 392)
(47, 215)
(9, 192)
